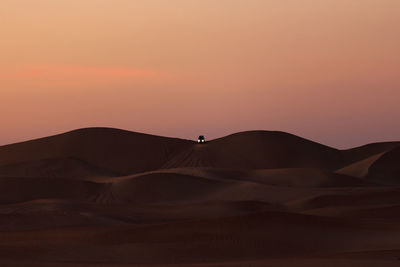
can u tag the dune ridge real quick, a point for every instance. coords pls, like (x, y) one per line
(122, 152)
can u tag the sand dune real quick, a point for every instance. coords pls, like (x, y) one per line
(360, 168)
(109, 197)
(345, 198)
(290, 177)
(68, 168)
(112, 150)
(258, 150)
(123, 152)
(382, 168)
(15, 189)
(164, 188)
(252, 237)
(386, 169)
(194, 185)
(118, 152)
(366, 151)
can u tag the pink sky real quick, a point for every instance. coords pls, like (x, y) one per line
(325, 70)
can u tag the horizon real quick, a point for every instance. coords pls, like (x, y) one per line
(326, 71)
(194, 137)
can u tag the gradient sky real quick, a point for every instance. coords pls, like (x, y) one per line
(325, 70)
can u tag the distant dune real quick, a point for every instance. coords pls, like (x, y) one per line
(119, 152)
(258, 150)
(109, 197)
(113, 150)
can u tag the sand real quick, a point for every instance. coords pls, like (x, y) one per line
(108, 197)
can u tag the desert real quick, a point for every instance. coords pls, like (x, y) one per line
(110, 197)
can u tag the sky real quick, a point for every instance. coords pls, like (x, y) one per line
(324, 70)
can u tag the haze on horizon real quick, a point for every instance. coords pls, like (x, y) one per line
(325, 70)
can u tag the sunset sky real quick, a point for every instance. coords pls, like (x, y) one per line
(325, 70)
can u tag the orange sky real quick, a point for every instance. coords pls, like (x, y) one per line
(326, 70)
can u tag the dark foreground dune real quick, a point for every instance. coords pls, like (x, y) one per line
(107, 197)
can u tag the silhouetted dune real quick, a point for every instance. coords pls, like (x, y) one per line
(113, 150)
(122, 152)
(258, 150)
